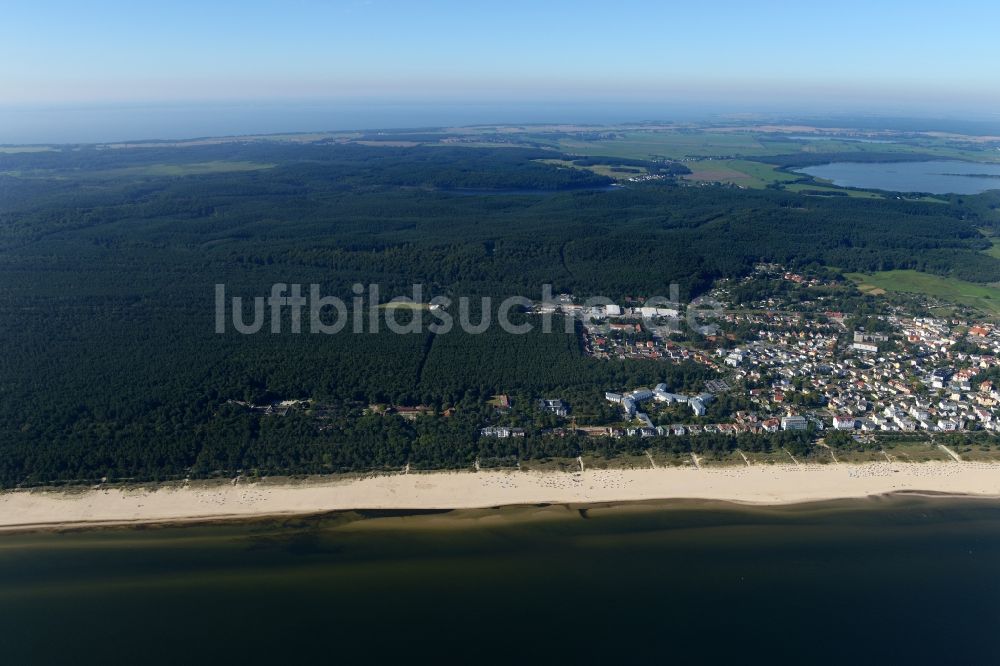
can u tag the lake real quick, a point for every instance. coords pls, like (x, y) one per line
(887, 580)
(936, 176)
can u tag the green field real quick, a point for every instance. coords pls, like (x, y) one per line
(304, 137)
(670, 145)
(924, 145)
(193, 169)
(13, 150)
(727, 157)
(149, 170)
(599, 169)
(694, 143)
(757, 175)
(995, 250)
(983, 297)
(754, 175)
(857, 194)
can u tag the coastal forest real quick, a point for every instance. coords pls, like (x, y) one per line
(112, 367)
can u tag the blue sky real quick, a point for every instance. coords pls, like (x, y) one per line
(885, 53)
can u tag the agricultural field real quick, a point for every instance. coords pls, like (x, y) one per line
(194, 169)
(728, 156)
(930, 147)
(745, 173)
(995, 250)
(303, 137)
(148, 170)
(691, 143)
(600, 169)
(924, 146)
(13, 150)
(983, 297)
(809, 189)
(668, 145)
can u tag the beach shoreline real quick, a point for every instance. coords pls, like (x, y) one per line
(78, 508)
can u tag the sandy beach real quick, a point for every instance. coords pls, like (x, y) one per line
(764, 484)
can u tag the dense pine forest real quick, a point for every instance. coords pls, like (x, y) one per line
(111, 366)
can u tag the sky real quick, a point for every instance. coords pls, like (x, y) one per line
(889, 56)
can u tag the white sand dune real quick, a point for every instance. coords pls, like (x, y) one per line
(762, 484)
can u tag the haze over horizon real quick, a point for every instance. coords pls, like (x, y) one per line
(110, 70)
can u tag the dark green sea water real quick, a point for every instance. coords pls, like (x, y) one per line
(888, 580)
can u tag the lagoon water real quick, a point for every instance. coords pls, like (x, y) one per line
(935, 177)
(887, 580)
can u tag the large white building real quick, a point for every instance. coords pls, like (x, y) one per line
(794, 423)
(628, 404)
(501, 432)
(649, 313)
(640, 395)
(844, 422)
